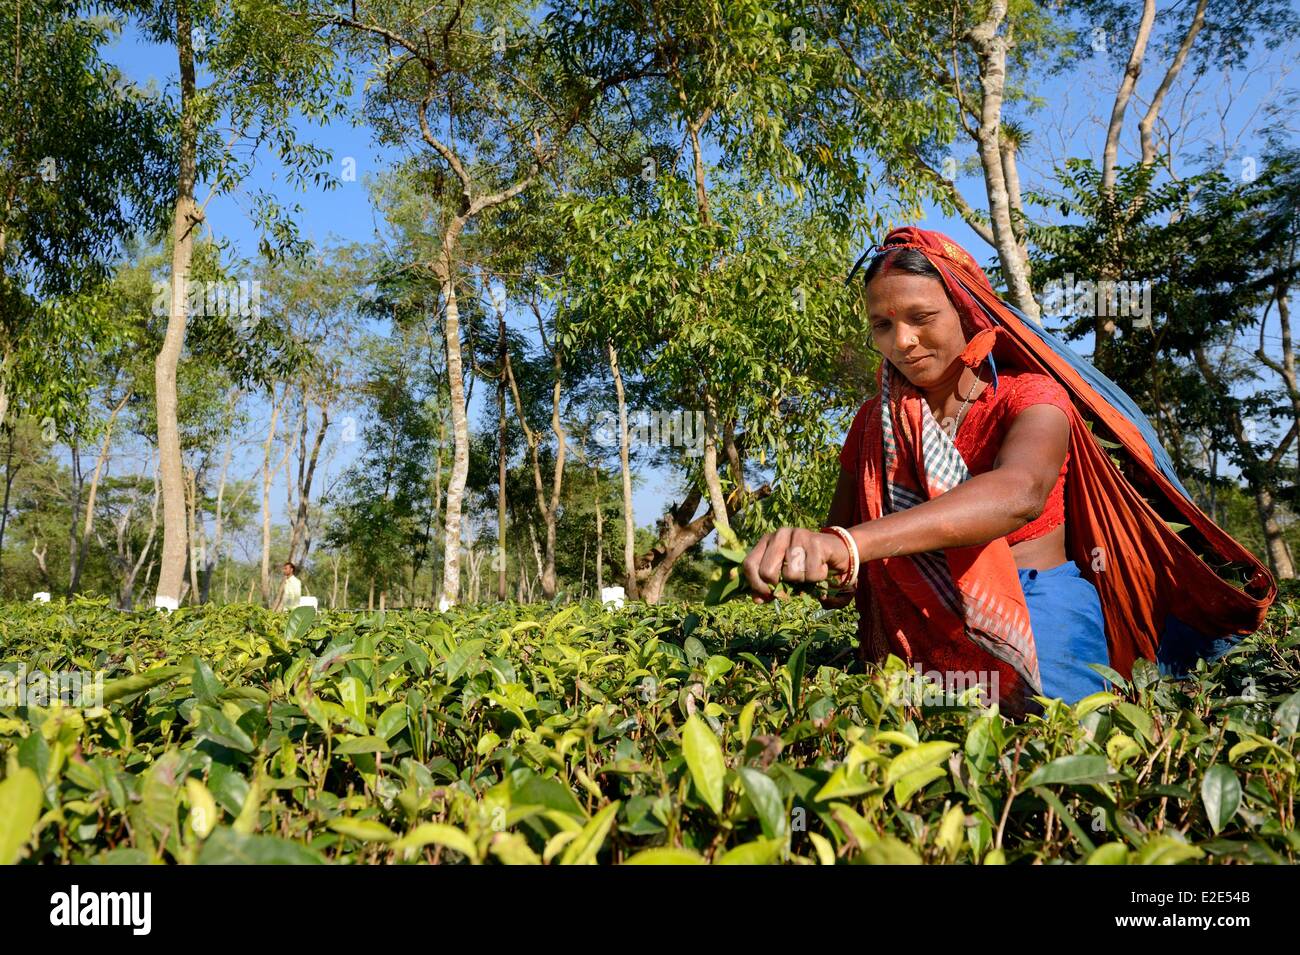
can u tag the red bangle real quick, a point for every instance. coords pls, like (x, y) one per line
(850, 577)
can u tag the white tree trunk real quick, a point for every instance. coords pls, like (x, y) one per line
(991, 50)
(185, 220)
(629, 516)
(460, 433)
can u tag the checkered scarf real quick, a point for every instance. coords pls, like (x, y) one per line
(967, 593)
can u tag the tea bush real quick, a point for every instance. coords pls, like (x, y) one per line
(573, 734)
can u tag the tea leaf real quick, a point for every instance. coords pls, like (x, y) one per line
(20, 807)
(703, 755)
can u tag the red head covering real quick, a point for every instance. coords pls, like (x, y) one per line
(953, 262)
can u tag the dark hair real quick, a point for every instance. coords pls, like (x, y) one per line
(290, 564)
(910, 261)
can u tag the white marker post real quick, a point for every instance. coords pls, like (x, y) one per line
(165, 603)
(612, 597)
(308, 602)
(41, 597)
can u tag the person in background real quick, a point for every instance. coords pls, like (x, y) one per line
(291, 590)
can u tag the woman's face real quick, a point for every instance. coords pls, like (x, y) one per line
(915, 326)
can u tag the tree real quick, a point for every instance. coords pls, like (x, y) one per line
(1213, 258)
(749, 308)
(494, 102)
(1190, 38)
(265, 66)
(380, 510)
(81, 156)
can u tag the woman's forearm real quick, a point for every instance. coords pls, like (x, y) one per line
(980, 509)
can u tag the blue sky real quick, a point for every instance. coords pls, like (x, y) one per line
(1068, 124)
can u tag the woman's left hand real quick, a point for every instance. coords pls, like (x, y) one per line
(793, 554)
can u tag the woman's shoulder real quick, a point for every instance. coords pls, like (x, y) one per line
(866, 409)
(863, 414)
(1021, 389)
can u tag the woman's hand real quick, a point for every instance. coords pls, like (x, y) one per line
(795, 555)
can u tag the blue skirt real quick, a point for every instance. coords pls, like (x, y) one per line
(1069, 630)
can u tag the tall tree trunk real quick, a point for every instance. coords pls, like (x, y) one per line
(537, 554)
(10, 474)
(459, 420)
(1102, 322)
(78, 482)
(549, 582)
(726, 537)
(191, 526)
(1214, 486)
(267, 475)
(1110, 151)
(88, 522)
(991, 50)
(499, 558)
(300, 534)
(629, 516)
(219, 518)
(549, 509)
(185, 220)
(712, 482)
(131, 569)
(6, 359)
(600, 535)
(1015, 198)
(203, 563)
(475, 560)
(434, 568)
(1147, 124)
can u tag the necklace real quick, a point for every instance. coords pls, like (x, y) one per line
(961, 412)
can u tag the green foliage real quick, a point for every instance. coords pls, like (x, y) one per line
(1214, 255)
(382, 513)
(749, 308)
(652, 735)
(83, 153)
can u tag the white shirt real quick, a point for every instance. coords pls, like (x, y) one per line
(292, 592)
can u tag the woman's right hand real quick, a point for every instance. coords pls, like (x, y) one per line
(794, 555)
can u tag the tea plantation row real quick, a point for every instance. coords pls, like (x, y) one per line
(569, 735)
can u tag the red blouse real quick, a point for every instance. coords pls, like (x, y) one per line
(981, 434)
